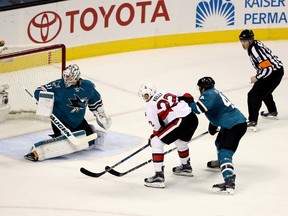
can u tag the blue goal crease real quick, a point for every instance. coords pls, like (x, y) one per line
(17, 147)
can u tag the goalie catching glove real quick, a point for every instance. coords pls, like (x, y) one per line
(102, 120)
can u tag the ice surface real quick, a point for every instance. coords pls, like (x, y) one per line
(56, 187)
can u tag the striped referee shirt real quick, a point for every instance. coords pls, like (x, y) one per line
(263, 60)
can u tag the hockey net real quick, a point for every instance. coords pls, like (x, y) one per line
(27, 68)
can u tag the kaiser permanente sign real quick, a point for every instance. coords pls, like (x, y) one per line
(265, 12)
(91, 27)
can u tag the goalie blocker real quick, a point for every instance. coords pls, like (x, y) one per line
(60, 146)
(45, 103)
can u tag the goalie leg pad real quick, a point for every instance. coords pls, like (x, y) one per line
(58, 146)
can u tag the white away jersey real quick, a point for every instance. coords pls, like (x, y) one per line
(164, 107)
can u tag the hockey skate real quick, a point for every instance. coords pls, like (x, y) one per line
(183, 170)
(269, 115)
(252, 126)
(214, 164)
(227, 187)
(156, 181)
(32, 156)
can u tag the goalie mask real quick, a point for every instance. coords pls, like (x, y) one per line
(71, 75)
(147, 91)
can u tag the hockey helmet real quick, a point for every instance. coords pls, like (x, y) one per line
(147, 91)
(206, 83)
(246, 34)
(71, 74)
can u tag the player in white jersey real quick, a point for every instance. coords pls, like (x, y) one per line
(173, 122)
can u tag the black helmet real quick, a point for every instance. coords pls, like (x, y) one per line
(246, 34)
(206, 83)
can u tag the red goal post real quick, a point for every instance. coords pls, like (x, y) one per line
(31, 66)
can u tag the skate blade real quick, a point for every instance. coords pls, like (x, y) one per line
(30, 159)
(270, 117)
(229, 191)
(214, 167)
(155, 184)
(251, 129)
(184, 174)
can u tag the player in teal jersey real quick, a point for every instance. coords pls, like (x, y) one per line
(72, 96)
(230, 122)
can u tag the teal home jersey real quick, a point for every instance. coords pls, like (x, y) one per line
(218, 109)
(70, 103)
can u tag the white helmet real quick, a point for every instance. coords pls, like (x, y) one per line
(147, 91)
(71, 74)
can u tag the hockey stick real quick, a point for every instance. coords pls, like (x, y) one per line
(96, 175)
(69, 134)
(119, 174)
(66, 131)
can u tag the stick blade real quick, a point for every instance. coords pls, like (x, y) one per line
(114, 172)
(91, 174)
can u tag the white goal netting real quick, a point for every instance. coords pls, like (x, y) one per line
(29, 67)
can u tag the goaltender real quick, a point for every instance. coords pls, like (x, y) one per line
(70, 96)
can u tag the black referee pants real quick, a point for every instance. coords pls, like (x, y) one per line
(262, 91)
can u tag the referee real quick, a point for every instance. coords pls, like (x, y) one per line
(269, 72)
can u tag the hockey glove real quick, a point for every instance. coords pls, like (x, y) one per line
(188, 98)
(212, 129)
(102, 120)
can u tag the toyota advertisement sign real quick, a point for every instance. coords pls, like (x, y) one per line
(78, 23)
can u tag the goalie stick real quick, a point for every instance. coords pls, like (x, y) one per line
(69, 134)
(96, 175)
(119, 174)
(66, 131)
